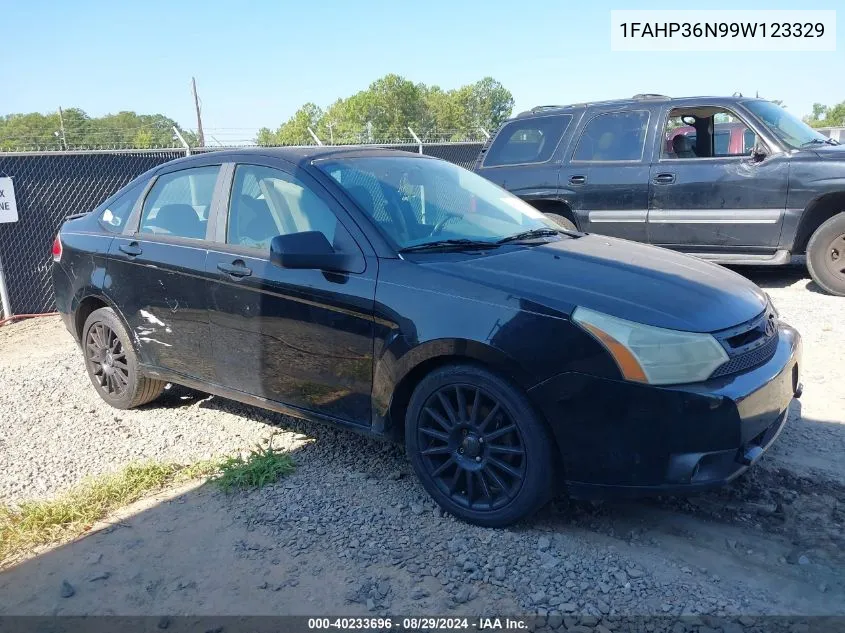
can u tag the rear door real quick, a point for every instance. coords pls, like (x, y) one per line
(714, 196)
(524, 158)
(156, 270)
(295, 336)
(609, 170)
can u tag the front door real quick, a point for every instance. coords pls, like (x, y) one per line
(156, 273)
(300, 337)
(708, 193)
(608, 174)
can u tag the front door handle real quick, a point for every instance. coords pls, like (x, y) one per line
(236, 269)
(577, 180)
(664, 179)
(132, 249)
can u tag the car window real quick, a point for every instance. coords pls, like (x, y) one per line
(706, 132)
(267, 202)
(527, 141)
(113, 217)
(613, 136)
(179, 202)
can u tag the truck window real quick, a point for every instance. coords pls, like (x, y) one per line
(527, 141)
(706, 132)
(614, 136)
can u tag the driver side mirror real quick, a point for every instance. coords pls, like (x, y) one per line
(759, 152)
(311, 250)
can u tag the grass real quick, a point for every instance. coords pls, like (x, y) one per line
(34, 523)
(262, 466)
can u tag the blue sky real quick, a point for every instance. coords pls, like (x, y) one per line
(257, 61)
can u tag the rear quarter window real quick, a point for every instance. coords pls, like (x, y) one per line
(527, 141)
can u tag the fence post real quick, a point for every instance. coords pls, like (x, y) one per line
(4, 293)
(315, 137)
(485, 133)
(417, 139)
(183, 141)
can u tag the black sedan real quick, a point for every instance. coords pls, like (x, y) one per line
(405, 297)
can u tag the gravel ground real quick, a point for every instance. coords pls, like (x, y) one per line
(352, 532)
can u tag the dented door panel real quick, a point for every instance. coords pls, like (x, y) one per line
(718, 202)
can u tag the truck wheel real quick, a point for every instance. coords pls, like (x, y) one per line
(826, 255)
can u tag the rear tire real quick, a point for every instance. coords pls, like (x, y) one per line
(562, 221)
(826, 255)
(112, 364)
(478, 447)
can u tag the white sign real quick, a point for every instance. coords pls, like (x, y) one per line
(8, 206)
(722, 30)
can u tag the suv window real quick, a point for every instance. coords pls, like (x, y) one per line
(267, 202)
(179, 202)
(613, 136)
(723, 132)
(113, 217)
(527, 141)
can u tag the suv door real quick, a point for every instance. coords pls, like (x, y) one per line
(711, 195)
(295, 336)
(156, 270)
(609, 173)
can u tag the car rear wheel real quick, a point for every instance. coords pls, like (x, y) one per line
(826, 255)
(112, 364)
(478, 447)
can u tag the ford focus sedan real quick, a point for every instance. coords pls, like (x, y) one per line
(405, 297)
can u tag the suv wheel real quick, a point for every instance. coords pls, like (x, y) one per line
(826, 255)
(478, 447)
(112, 364)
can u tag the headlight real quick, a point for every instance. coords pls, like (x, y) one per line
(653, 355)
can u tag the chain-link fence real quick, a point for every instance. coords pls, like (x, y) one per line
(51, 186)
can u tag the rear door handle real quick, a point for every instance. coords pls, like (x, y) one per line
(132, 249)
(236, 269)
(577, 180)
(664, 179)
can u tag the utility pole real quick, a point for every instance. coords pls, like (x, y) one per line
(200, 135)
(62, 128)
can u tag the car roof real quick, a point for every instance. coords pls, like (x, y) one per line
(631, 103)
(301, 155)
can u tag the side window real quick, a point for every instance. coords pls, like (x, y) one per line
(613, 136)
(527, 141)
(113, 217)
(706, 132)
(267, 202)
(179, 202)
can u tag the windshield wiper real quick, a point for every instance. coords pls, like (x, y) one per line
(456, 244)
(540, 232)
(816, 141)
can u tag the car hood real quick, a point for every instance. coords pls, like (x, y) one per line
(633, 281)
(833, 152)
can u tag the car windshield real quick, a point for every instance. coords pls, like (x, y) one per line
(787, 127)
(418, 201)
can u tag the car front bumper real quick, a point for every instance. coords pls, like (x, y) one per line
(619, 438)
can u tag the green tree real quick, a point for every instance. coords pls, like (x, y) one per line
(392, 104)
(827, 116)
(295, 130)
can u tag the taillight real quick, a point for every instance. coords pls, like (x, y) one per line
(57, 249)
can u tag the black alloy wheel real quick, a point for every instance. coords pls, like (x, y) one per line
(108, 360)
(471, 447)
(478, 446)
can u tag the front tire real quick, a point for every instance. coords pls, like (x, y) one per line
(826, 255)
(478, 447)
(112, 364)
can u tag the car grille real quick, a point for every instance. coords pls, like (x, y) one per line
(749, 344)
